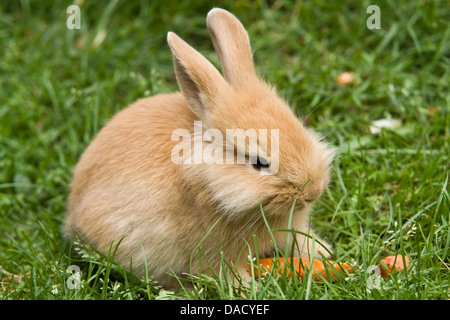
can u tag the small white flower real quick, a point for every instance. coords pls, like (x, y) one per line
(55, 289)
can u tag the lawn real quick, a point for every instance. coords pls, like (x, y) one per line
(389, 192)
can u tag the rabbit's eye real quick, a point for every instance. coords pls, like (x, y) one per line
(261, 163)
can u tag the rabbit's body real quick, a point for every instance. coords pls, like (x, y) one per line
(126, 184)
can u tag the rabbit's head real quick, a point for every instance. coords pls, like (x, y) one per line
(282, 158)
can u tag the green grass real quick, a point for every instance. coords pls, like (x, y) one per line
(389, 195)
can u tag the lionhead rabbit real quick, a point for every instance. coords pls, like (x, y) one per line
(128, 186)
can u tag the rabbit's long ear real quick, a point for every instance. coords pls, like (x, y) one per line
(198, 79)
(232, 45)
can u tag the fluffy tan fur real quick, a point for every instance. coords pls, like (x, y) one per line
(125, 184)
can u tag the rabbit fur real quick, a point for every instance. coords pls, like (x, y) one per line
(126, 186)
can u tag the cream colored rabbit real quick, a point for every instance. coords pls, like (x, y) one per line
(127, 184)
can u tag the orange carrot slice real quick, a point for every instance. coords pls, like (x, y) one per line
(345, 78)
(392, 264)
(320, 270)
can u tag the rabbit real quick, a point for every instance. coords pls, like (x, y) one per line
(177, 218)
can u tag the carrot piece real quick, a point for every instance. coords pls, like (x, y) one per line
(320, 270)
(392, 264)
(345, 78)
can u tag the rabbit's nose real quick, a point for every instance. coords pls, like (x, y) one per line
(312, 191)
(310, 198)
